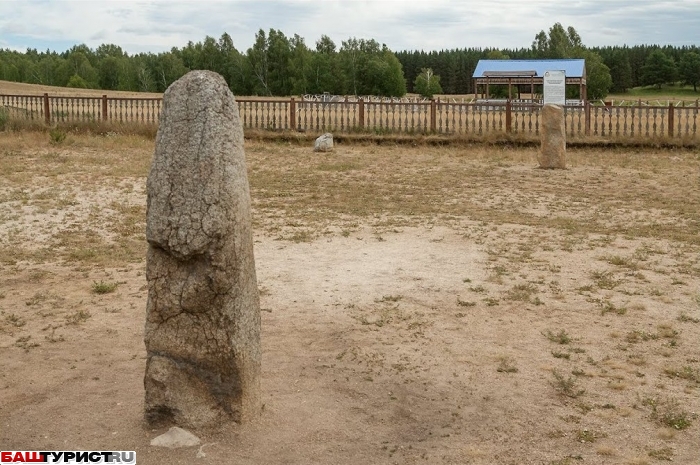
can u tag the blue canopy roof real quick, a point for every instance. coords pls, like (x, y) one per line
(574, 68)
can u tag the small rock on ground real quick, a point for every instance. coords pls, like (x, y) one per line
(324, 143)
(176, 438)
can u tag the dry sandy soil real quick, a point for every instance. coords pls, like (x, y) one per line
(420, 304)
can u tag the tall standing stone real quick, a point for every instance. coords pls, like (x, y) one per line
(553, 151)
(202, 330)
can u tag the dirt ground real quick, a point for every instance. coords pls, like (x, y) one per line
(420, 304)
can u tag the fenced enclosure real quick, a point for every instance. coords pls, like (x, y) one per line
(52, 110)
(476, 118)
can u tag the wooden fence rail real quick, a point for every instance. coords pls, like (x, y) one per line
(434, 116)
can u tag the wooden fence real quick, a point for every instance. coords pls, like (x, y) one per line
(50, 109)
(435, 116)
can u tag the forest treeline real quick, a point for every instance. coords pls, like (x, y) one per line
(277, 65)
(628, 66)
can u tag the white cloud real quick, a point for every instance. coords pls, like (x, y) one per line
(158, 25)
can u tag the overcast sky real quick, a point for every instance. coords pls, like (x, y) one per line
(156, 26)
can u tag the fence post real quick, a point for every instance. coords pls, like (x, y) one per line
(292, 115)
(47, 110)
(433, 119)
(361, 115)
(670, 120)
(587, 117)
(509, 116)
(104, 108)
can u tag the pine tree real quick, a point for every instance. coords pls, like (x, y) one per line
(690, 69)
(658, 69)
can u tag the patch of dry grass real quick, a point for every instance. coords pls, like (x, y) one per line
(492, 184)
(55, 198)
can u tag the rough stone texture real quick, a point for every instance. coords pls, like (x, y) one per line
(324, 143)
(176, 438)
(202, 330)
(553, 151)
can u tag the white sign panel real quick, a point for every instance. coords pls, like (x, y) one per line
(555, 87)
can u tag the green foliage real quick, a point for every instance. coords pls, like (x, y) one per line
(567, 387)
(427, 83)
(560, 43)
(104, 287)
(599, 81)
(690, 69)
(274, 65)
(391, 81)
(495, 54)
(278, 56)
(165, 69)
(77, 63)
(269, 59)
(57, 136)
(109, 73)
(566, 43)
(299, 66)
(324, 70)
(370, 70)
(280, 65)
(144, 79)
(562, 337)
(109, 50)
(658, 69)
(669, 413)
(620, 70)
(232, 65)
(77, 82)
(258, 59)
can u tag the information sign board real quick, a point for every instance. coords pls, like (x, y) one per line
(555, 87)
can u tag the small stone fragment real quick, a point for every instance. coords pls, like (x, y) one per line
(176, 438)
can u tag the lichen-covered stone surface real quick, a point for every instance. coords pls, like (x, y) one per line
(553, 151)
(202, 329)
(324, 143)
